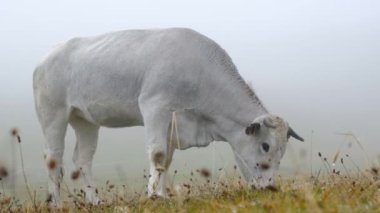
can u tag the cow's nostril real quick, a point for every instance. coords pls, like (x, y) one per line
(264, 166)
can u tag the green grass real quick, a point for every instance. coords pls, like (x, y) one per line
(350, 192)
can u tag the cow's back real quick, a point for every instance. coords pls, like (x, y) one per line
(102, 78)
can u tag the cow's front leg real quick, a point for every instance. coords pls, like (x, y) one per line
(157, 125)
(160, 159)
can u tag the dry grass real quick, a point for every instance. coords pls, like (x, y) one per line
(333, 189)
(326, 193)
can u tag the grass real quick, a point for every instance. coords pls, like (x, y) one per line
(331, 189)
(335, 192)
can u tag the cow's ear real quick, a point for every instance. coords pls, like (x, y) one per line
(252, 129)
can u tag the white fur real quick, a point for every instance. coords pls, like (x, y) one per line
(139, 78)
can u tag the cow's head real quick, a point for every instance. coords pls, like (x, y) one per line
(259, 154)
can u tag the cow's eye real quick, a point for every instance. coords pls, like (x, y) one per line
(265, 147)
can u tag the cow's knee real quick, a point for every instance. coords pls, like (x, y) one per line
(158, 157)
(55, 168)
(159, 160)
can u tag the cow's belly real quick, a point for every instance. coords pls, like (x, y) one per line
(111, 114)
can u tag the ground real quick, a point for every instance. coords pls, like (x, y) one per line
(326, 191)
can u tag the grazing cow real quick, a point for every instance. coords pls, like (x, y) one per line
(147, 78)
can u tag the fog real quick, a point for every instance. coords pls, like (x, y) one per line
(315, 63)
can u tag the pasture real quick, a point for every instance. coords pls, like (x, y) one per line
(338, 186)
(354, 192)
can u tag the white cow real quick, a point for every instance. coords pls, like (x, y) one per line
(143, 78)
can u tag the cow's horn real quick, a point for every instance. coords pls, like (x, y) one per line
(292, 133)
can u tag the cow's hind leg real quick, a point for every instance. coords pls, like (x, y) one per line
(87, 138)
(160, 154)
(54, 124)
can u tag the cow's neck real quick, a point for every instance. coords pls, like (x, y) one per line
(238, 107)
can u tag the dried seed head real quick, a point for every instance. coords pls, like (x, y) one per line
(3, 172)
(335, 157)
(75, 174)
(205, 173)
(52, 164)
(375, 171)
(5, 201)
(14, 132)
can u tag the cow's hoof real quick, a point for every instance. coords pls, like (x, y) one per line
(52, 201)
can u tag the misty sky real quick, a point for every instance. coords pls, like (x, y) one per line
(315, 63)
